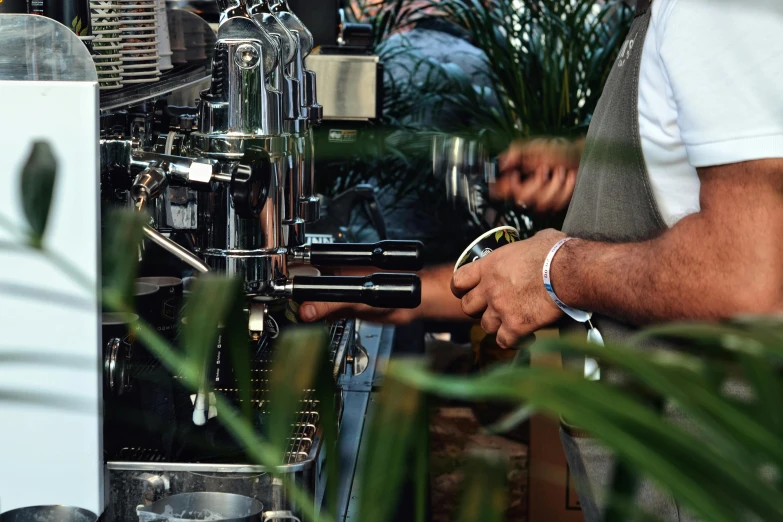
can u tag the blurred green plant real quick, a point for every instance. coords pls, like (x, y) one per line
(547, 59)
(546, 62)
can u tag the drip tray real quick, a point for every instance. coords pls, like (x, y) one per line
(141, 476)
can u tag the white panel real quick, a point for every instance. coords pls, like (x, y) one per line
(50, 408)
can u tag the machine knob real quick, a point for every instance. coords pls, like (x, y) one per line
(377, 290)
(250, 183)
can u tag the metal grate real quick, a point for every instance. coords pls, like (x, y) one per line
(336, 332)
(304, 430)
(305, 426)
(140, 455)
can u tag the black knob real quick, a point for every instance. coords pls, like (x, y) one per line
(386, 255)
(250, 183)
(377, 290)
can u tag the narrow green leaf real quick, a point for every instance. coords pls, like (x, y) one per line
(716, 488)
(298, 355)
(120, 247)
(387, 444)
(625, 482)
(207, 309)
(421, 470)
(485, 493)
(238, 341)
(329, 416)
(37, 187)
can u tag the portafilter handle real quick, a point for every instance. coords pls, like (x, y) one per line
(377, 290)
(386, 255)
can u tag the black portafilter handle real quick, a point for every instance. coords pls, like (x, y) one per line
(377, 290)
(386, 255)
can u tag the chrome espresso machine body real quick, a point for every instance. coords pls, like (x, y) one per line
(235, 175)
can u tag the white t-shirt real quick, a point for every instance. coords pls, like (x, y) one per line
(710, 92)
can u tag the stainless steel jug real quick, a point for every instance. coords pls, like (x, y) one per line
(219, 507)
(48, 514)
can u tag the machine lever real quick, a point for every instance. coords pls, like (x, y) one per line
(377, 290)
(386, 255)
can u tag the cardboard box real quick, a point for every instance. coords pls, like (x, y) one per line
(553, 497)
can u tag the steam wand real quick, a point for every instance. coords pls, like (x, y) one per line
(149, 185)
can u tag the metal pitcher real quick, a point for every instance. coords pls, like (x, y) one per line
(468, 170)
(466, 167)
(48, 514)
(219, 507)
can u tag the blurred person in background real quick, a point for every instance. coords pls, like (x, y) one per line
(676, 212)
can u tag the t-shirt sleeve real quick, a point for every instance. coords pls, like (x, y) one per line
(724, 62)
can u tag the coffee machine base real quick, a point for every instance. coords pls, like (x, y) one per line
(134, 484)
(140, 478)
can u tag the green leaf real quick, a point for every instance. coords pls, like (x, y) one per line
(207, 308)
(37, 186)
(715, 485)
(120, 248)
(325, 394)
(485, 494)
(298, 354)
(498, 235)
(238, 341)
(388, 443)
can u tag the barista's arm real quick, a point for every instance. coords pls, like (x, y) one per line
(437, 302)
(539, 174)
(722, 261)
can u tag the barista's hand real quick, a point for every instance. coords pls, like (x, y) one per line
(506, 289)
(538, 174)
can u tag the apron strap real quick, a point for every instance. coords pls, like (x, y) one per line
(642, 6)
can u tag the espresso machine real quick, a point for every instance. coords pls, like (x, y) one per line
(234, 175)
(225, 180)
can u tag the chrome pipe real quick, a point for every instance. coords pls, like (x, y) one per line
(178, 251)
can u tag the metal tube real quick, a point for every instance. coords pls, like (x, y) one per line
(181, 171)
(181, 253)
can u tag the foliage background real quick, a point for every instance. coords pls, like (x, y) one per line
(496, 70)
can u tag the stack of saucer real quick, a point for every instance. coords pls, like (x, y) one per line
(164, 40)
(107, 43)
(139, 26)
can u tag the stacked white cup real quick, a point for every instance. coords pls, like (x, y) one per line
(139, 26)
(107, 43)
(164, 40)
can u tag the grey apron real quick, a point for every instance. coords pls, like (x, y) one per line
(613, 201)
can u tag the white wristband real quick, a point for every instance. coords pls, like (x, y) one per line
(573, 313)
(593, 335)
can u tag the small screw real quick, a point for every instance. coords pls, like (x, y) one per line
(246, 56)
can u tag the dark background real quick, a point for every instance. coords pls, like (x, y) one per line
(321, 17)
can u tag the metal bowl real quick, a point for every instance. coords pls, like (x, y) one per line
(49, 514)
(219, 507)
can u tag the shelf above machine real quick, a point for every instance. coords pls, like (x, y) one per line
(177, 78)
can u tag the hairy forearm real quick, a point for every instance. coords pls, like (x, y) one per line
(701, 269)
(437, 301)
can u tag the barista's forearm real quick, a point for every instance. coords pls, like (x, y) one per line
(437, 301)
(694, 271)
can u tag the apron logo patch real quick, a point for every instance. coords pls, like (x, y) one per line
(625, 52)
